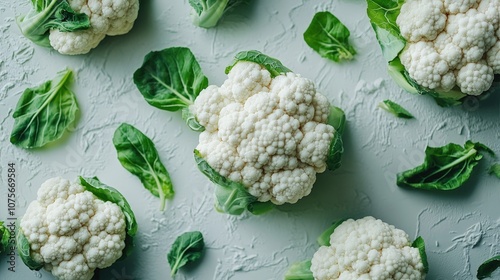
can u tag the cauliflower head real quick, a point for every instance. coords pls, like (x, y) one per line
(269, 133)
(71, 232)
(369, 249)
(449, 43)
(76, 26)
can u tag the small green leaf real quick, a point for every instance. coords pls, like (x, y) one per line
(337, 119)
(488, 267)
(137, 153)
(395, 109)
(324, 238)
(272, 65)
(50, 14)
(44, 113)
(24, 251)
(329, 37)
(170, 79)
(420, 245)
(495, 170)
(300, 271)
(107, 193)
(231, 197)
(4, 237)
(444, 168)
(187, 248)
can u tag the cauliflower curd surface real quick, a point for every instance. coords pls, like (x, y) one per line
(451, 43)
(268, 133)
(72, 232)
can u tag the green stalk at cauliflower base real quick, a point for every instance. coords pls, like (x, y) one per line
(384, 15)
(207, 13)
(172, 80)
(50, 14)
(364, 248)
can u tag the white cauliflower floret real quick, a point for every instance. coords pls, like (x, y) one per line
(462, 52)
(475, 78)
(493, 58)
(107, 18)
(459, 6)
(72, 232)
(367, 249)
(426, 67)
(421, 19)
(267, 133)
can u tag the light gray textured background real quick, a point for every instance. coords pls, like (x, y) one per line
(461, 228)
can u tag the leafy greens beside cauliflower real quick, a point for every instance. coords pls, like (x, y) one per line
(75, 27)
(45, 112)
(138, 154)
(265, 132)
(74, 228)
(207, 13)
(449, 50)
(444, 168)
(367, 248)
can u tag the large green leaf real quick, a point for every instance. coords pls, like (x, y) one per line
(44, 113)
(50, 14)
(444, 168)
(231, 197)
(170, 79)
(24, 251)
(300, 271)
(329, 37)
(187, 248)
(337, 119)
(486, 269)
(274, 66)
(107, 193)
(137, 153)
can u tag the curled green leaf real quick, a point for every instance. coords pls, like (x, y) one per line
(337, 119)
(274, 66)
(444, 168)
(420, 245)
(488, 267)
(24, 251)
(107, 193)
(50, 14)
(231, 197)
(329, 37)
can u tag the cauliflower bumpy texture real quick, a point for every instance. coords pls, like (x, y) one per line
(367, 249)
(451, 43)
(72, 232)
(268, 133)
(107, 17)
